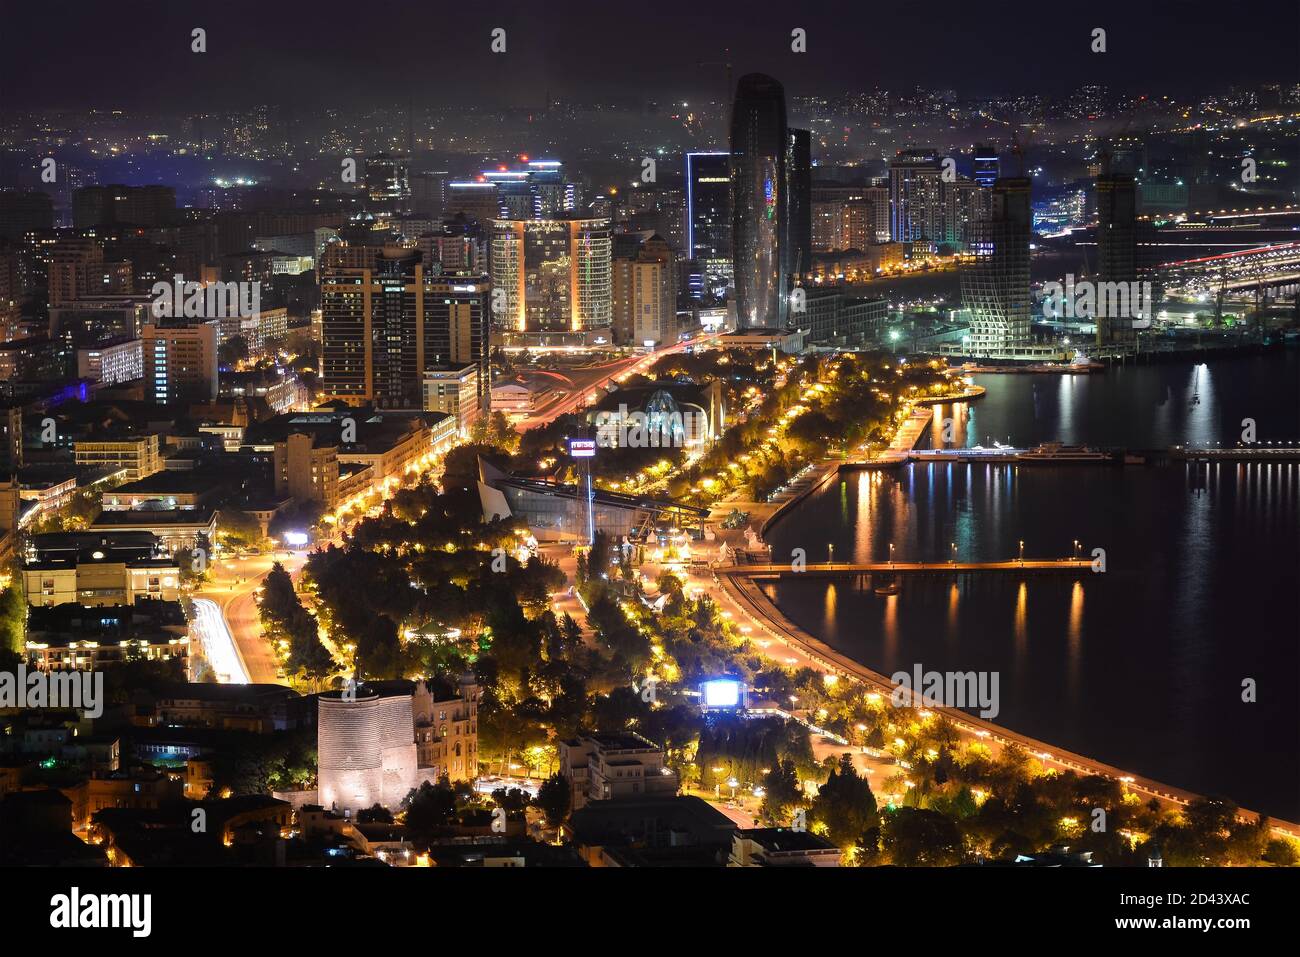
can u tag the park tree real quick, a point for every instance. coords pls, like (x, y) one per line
(554, 798)
(845, 805)
(13, 618)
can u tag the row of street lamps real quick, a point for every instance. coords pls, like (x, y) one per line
(830, 546)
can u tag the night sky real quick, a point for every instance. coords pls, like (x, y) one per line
(137, 54)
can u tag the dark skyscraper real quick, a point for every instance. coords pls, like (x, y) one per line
(1116, 246)
(758, 181)
(796, 248)
(708, 207)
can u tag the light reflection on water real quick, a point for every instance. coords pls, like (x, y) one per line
(1141, 667)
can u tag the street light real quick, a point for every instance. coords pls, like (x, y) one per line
(891, 554)
(953, 559)
(1022, 551)
(830, 546)
(1076, 549)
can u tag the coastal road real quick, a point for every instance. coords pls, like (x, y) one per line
(801, 649)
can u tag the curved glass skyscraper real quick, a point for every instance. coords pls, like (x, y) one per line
(758, 201)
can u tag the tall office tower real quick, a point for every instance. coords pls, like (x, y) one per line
(708, 211)
(758, 181)
(643, 290)
(995, 287)
(388, 183)
(796, 247)
(476, 200)
(128, 205)
(984, 165)
(21, 213)
(555, 273)
(514, 193)
(916, 196)
(1116, 247)
(385, 319)
(180, 361)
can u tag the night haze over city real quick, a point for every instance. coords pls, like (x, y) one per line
(750, 435)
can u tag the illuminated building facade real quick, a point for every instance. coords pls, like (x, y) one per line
(985, 165)
(365, 744)
(386, 318)
(916, 196)
(180, 362)
(556, 274)
(995, 287)
(708, 213)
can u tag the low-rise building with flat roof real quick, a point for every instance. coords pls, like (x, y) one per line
(177, 530)
(614, 767)
(95, 568)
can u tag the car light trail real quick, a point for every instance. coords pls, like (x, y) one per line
(218, 644)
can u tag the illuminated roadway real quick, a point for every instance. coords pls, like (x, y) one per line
(233, 592)
(741, 592)
(606, 373)
(218, 646)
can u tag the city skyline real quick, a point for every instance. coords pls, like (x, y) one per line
(572, 436)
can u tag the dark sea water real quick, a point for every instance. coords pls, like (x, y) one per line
(1141, 667)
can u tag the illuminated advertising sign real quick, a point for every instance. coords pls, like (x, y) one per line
(721, 693)
(582, 448)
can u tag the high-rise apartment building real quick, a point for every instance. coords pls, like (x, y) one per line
(995, 287)
(75, 270)
(180, 361)
(555, 274)
(848, 217)
(386, 318)
(916, 196)
(644, 290)
(306, 470)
